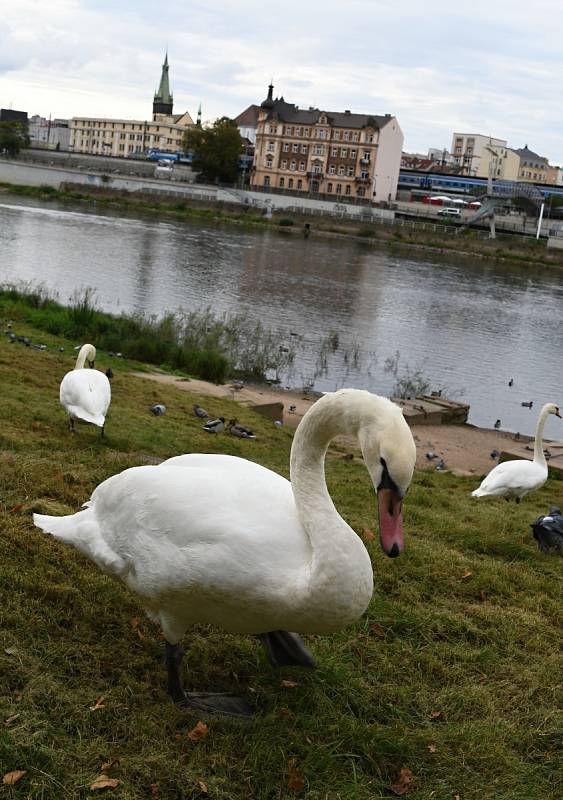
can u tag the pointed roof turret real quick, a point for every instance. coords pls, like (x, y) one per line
(163, 101)
(269, 101)
(199, 115)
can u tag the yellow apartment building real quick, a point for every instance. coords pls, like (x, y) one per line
(129, 138)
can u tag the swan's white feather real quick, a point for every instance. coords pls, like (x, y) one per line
(512, 479)
(86, 394)
(219, 539)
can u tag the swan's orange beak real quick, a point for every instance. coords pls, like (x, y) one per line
(390, 522)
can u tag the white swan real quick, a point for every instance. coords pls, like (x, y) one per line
(519, 477)
(218, 539)
(86, 393)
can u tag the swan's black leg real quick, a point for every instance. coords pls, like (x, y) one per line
(71, 424)
(213, 703)
(285, 649)
(173, 656)
(103, 428)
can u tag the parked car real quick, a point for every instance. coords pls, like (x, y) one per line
(449, 212)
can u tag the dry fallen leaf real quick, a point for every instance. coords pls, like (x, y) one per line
(203, 786)
(378, 629)
(199, 732)
(368, 535)
(154, 790)
(9, 720)
(482, 596)
(457, 797)
(289, 684)
(110, 765)
(10, 778)
(404, 783)
(16, 509)
(286, 713)
(11, 651)
(296, 781)
(435, 714)
(135, 624)
(103, 782)
(431, 748)
(467, 574)
(98, 704)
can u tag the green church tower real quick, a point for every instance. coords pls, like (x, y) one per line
(163, 101)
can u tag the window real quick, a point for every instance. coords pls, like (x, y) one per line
(293, 166)
(322, 133)
(273, 129)
(316, 168)
(284, 164)
(269, 163)
(364, 174)
(319, 150)
(353, 153)
(338, 188)
(348, 189)
(266, 180)
(271, 147)
(301, 166)
(332, 169)
(306, 131)
(329, 188)
(286, 130)
(334, 151)
(361, 191)
(344, 152)
(282, 183)
(290, 183)
(295, 148)
(349, 171)
(346, 134)
(337, 135)
(299, 183)
(286, 147)
(369, 138)
(298, 131)
(341, 169)
(304, 149)
(355, 136)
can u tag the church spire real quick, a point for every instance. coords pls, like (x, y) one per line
(199, 115)
(163, 101)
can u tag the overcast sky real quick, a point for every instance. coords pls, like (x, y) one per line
(493, 67)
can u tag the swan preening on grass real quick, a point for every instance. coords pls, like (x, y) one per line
(519, 477)
(218, 539)
(86, 393)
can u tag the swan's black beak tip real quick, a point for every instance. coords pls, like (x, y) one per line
(394, 552)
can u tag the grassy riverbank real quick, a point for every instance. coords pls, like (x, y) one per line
(452, 672)
(516, 249)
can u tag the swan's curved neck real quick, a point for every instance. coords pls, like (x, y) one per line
(87, 351)
(539, 457)
(338, 554)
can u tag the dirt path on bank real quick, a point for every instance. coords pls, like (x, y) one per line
(464, 448)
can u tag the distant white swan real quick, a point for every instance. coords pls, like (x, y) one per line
(519, 477)
(218, 539)
(86, 393)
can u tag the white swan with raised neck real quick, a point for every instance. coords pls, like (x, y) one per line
(519, 477)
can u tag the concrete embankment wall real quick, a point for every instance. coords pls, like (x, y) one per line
(41, 175)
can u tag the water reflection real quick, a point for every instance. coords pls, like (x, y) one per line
(469, 324)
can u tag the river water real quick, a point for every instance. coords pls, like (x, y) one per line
(468, 325)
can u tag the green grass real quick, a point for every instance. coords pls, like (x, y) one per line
(481, 650)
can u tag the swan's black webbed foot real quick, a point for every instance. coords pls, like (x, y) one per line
(285, 649)
(217, 703)
(212, 703)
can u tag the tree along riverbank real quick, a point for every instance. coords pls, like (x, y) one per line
(508, 247)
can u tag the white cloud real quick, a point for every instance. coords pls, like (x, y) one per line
(490, 67)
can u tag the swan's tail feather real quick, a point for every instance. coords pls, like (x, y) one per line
(477, 493)
(86, 416)
(81, 530)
